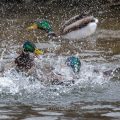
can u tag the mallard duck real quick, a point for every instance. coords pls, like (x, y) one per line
(76, 27)
(69, 68)
(65, 73)
(74, 63)
(25, 61)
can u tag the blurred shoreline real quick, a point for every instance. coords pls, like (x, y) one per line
(25, 7)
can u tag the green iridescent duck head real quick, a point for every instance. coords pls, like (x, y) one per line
(30, 47)
(74, 63)
(41, 24)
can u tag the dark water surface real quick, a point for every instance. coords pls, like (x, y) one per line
(92, 97)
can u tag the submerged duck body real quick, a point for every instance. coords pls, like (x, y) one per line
(24, 61)
(64, 72)
(113, 73)
(76, 27)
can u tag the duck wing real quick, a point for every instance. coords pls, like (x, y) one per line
(72, 20)
(75, 23)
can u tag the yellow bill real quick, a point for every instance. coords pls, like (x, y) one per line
(38, 52)
(33, 27)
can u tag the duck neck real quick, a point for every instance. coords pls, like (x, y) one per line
(25, 54)
(52, 34)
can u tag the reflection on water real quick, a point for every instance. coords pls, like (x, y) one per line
(92, 97)
(78, 111)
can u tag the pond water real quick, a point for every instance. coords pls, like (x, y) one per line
(93, 96)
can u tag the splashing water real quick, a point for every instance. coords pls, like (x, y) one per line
(39, 95)
(51, 80)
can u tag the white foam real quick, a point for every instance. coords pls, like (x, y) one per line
(5, 82)
(8, 84)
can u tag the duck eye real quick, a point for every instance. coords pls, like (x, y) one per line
(68, 63)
